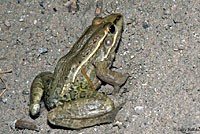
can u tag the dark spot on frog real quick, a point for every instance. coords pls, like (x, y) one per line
(94, 41)
(66, 97)
(73, 94)
(46, 94)
(48, 81)
(35, 94)
(59, 86)
(82, 94)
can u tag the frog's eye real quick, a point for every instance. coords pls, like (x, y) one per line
(112, 29)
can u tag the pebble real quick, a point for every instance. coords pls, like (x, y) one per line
(71, 5)
(118, 124)
(99, 6)
(4, 100)
(7, 23)
(35, 22)
(38, 34)
(42, 50)
(145, 25)
(181, 47)
(9, 95)
(25, 92)
(132, 56)
(41, 4)
(21, 19)
(12, 125)
(175, 49)
(139, 109)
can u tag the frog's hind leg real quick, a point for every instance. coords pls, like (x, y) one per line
(84, 112)
(40, 83)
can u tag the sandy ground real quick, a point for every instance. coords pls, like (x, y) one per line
(159, 48)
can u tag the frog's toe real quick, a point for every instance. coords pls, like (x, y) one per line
(117, 109)
(34, 109)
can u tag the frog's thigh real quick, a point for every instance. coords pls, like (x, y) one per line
(40, 82)
(111, 77)
(84, 112)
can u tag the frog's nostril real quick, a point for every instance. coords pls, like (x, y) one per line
(117, 19)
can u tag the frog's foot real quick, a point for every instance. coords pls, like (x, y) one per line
(84, 112)
(113, 113)
(40, 82)
(111, 77)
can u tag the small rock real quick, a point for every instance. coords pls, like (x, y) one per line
(139, 109)
(41, 4)
(118, 124)
(23, 124)
(132, 56)
(21, 19)
(35, 22)
(42, 50)
(38, 34)
(181, 47)
(54, 9)
(175, 49)
(12, 125)
(25, 92)
(9, 95)
(4, 100)
(145, 25)
(71, 5)
(7, 23)
(99, 6)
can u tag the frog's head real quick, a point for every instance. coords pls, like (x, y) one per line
(112, 27)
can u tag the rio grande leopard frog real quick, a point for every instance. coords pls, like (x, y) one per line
(70, 92)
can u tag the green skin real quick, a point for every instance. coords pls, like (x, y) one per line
(67, 94)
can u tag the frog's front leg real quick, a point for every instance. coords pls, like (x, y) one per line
(113, 78)
(39, 84)
(97, 108)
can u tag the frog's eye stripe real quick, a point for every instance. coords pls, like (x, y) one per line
(113, 43)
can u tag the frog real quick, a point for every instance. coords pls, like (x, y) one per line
(71, 93)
